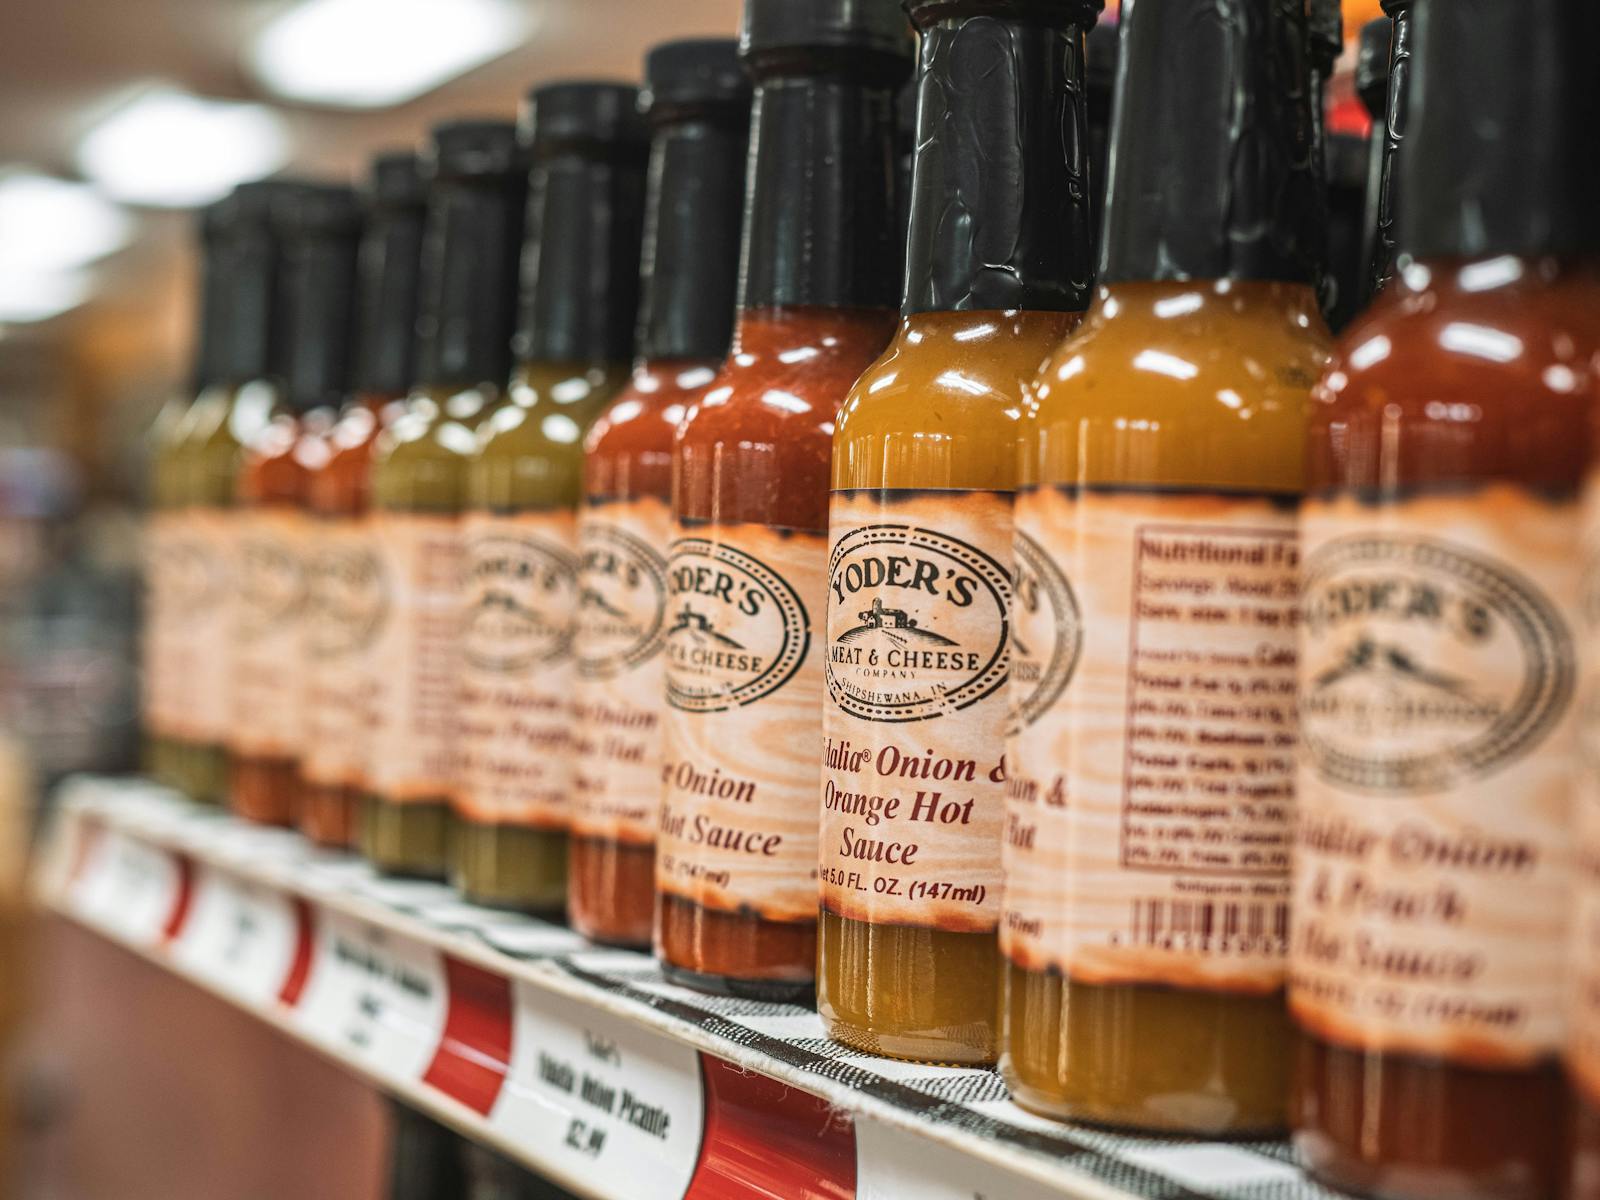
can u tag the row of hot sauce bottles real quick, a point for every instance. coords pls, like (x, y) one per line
(1011, 665)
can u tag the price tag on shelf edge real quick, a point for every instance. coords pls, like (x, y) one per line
(376, 996)
(240, 937)
(891, 1164)
(601, 1098)
(129, 888)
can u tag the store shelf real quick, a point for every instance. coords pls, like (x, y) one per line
(580, 1061)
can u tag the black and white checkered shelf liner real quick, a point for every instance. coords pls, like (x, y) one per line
(958, 1103)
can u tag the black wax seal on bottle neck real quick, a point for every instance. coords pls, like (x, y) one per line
(697, 100)
(211, 299)
(320, 229)
(388, 275)
(820, 214)
(1500, 154)
(249, 254)
(468, 293)
(1001, 199)
(588, 148)
(1212, 166)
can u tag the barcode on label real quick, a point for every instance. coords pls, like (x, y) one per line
(1218, 926)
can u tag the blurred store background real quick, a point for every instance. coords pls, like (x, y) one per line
(117, 119)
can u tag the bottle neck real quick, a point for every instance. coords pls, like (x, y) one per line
(319, 310)
(690, 263)
(1389, 126)
(580, 267)
(1501, 159)
(391, 257)
(819, 227)
(1212, 169)
(1000, 209)
(469, 280)
(210, 329)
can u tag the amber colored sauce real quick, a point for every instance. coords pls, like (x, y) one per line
(758, 450)
(341, 486)
(610, 882)
(273, 473)
(1426, 416)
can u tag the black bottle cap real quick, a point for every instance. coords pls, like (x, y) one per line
(468, 289)
(209, 330)
(697, 99)
(1324, 34)
(1372, 65)
(320, 229)
(820, 225)
(1501, 158)
(861, 36)
(388, 273)
(248, 260)
(580, 253)
(1001, 207)
(1212, 174)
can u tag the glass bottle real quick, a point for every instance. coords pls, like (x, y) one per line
(1151, 770)
(698, 103)
(1442, 574)
(736, 850)
(467, 307)
(175, 582)
(228, 415)
(588, 147)
(1389, 130)
(307, 374)
(998, 271)
(345, 597)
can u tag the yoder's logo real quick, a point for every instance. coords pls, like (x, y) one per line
(520, 594)
(1048, 638)
(622, 598)
(919, 623)
(272, 585)
(347, 597)
(1426, 664)
(736, 629)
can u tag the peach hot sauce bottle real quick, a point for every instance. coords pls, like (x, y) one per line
(344, 587)
(319, 228)
(736, 857)
(698, 103)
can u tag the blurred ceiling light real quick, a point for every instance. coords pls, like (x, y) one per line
(170, 149)
(27, 296)
(50, 225)
(375, 53)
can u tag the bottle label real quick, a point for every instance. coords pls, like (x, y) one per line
(269, 623)
(738, 827)
(415, 657)
(346, 605)
(1583, 958)
(1433, 854)
(622, 628)
(519, 609)
(914, 727)
(1152, 768)
(210, 597)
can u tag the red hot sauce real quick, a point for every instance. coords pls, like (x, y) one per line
(698, 103)
(736, 863)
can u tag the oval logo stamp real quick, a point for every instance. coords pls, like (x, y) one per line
(622, 600)
(520, 593)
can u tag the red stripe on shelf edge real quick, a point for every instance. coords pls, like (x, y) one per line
(475, 1049)
(764, 1139)
(182, 902)
(305, 941)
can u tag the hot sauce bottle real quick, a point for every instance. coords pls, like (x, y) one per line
(698, 103)
(319, 229)
(1151, 770)
(1582, 1050)
(588, 147)
(171, 586)
(477, 191)
(736, 849)
(345, 596)
(228, 415)
(917, 635)
(1440, 541)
